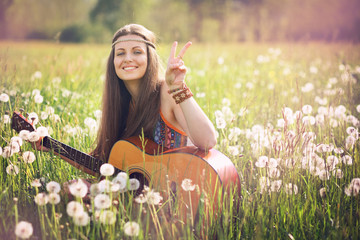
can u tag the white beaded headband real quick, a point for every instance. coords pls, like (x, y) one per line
(132, 39)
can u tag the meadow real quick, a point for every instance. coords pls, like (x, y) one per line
(287, 115)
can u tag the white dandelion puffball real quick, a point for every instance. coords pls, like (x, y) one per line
(78, 188)
(34, 137)
(102, 201)
(28, 157)
(107, 217)
(42, 131)
(74, 208)
(132, 229)
(23, 230)
(41, 199)
(53, 187)
(12, 170)
(24, 134)
(54, 198)
(4, 97)
(107, 169)
(187, 185)
(134, 184)
(82, 219)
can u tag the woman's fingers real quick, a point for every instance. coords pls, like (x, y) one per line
(184, 49)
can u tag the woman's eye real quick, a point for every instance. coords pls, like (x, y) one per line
(120, 54)
(138, 52)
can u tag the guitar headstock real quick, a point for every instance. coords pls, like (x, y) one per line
(19, 122)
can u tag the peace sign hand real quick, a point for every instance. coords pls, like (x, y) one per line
(176, 70)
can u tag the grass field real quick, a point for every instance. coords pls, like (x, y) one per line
(287, 115)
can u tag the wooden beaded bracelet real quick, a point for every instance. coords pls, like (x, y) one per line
(182, 95)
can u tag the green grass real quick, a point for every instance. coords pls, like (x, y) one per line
(251, 85)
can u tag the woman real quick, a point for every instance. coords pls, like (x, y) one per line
(136, 99)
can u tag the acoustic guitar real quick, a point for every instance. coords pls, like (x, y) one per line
(162, 169)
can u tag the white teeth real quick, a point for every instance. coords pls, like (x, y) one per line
(129, 68)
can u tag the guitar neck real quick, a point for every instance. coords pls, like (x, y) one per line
(84, 160)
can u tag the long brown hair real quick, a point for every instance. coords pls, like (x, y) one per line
(117, 122)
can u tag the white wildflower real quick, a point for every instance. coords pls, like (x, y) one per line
(347, 160)
(82, 219)
(154, 198)
(41, 199)
(132, 229)
(38, 99)
(42, 131)
(276, 185)
(12, 169)
(4, 97)
(33, 118)
(187, 185)
(24, 230)
(36, 183)
(24, 134)
(107, 169)
(102, 201)
(107, 217)
(53, 187)
(307, 109)
(34, 137)
(54, 198)
(354, 187)
(78, 188)
(6, 119)
(134, 184)
(28, 157)
(17, 139)
(74, 208)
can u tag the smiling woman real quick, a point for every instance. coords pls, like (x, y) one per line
(137, 99)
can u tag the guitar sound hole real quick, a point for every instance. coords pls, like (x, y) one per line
(142, 179)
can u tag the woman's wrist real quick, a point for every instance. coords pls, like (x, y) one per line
(180, 94)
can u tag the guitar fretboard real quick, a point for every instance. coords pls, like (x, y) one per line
(81, 158)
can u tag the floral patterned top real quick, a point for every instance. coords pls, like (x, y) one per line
(169, 136)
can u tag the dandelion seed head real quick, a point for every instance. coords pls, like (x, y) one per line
(4, 97)
(132, 229)
(153, 198)
(12, 170)
(134, 184)
(74, 208)
(36, 183)
(15, 147)
(82, 219)
(78, 188)
(107, 169)
(53, 187)
(6, 119)
(24, 135)
(107, 217)
(33, 118)
(275, 185)
(28, 157)
(307, 109)
(17, 139)
(42, 131)
(34, 137)
(347, 160)
(41, 199)
(102, 201)
(24, 230)
(54, 198)
(187, 185)
(322, 192)
(38, 99)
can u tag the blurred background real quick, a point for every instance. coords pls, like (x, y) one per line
(95, 21)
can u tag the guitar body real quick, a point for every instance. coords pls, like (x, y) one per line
(211, 171)
(161, 169)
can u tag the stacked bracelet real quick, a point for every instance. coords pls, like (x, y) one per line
(183, 86)
(182, 95)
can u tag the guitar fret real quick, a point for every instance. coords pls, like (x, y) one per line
(81, 158)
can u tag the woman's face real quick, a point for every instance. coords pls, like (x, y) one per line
(130, 59)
